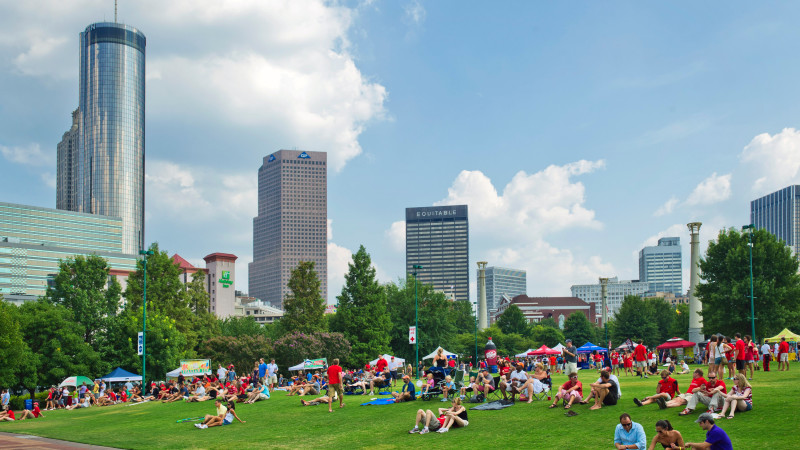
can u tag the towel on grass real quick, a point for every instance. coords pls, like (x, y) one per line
(492, 406)
(380, 401)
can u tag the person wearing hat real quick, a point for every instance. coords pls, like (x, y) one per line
(31, 414)
(407, 393)
(716, 437)
(570, 354)
(518, 380)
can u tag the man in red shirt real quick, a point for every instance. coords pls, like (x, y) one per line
(640, 356)
(739, 353)
(665, 391)
(695, 386)
(710, 394)
(380, 365)
(335, 384)
(31, 414)
(783, 355)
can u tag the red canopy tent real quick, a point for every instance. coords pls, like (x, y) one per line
(544, 350)
(675, 343)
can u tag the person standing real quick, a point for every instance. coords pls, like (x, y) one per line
(750, 355)
(221, 373)
(766, 355)
(739, 348)
(335, 384)
(570, 354)
(5, 398)
(262, 371)
(783, 355)
(629, 434)
(640, 356)
(272, 373)
(716, 437)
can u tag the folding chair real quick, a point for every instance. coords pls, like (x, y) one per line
(495, 394)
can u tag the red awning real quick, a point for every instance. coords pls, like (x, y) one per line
(675, 343)
(544, 350)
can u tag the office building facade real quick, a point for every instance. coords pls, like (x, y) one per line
(779, 213)
(33, 240)
(437, 238)
(615, 294)
(502, 281)
(661, 266)
(67, 166)
(111, 130)
(292, 223)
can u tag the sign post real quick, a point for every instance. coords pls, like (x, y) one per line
(412, 335)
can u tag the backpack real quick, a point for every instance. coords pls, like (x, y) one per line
(477, 398)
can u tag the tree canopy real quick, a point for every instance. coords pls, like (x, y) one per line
(304, 308)
(513, 321)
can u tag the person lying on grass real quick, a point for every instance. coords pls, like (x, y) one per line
(31, 414)
(317, 401)
(666, 389)
(455, 416)
(224, 416)
(666, 436)
(570, 392)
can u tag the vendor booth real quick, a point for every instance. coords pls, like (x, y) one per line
(791, 338)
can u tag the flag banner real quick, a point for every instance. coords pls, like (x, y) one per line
(195, 366)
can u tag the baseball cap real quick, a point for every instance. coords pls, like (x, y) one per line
(704, 417)
(569, 340)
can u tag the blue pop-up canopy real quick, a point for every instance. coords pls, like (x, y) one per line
(120, 374)
(589, 348)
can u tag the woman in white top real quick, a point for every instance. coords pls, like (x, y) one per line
(713, 357)
(740, 398)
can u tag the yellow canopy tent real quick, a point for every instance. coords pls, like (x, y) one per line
(790, 337)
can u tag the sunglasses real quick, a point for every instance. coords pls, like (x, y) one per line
(626, 425)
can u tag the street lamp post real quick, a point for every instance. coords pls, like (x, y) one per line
(750, 229)
(416, 267)
(145, 254)
(476, 334)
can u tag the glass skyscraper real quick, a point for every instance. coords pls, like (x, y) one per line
(110, 153)
(661, 266)
(502, 281)
(779, 213)
(437, 238)
(292, 223)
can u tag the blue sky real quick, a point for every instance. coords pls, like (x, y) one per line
(576, 132)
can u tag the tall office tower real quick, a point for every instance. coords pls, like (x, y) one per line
(661, 266)
(111, 129)
(67, 167)
(501, 281)
(437, 238)
(779, 213)
(616, 291)
(292, 222)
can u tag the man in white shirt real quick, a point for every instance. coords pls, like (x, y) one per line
(518, 379)
(272, 374)
(766, 354)
(392, 366)
(221, 373)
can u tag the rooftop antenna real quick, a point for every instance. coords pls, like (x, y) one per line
(115, 11)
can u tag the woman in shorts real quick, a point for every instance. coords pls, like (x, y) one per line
(454, 417)
(740, 398)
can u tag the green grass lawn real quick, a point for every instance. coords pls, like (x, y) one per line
(282, 422)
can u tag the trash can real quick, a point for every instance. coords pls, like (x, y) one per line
(28, 404)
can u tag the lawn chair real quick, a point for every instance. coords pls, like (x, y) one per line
(495, 394)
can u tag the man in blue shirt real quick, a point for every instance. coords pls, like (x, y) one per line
(629, 434)
(408, 392)
(716, 438)
(262, 371)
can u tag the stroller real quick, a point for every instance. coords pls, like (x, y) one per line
(436, 390)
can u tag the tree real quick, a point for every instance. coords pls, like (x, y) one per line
(578, 328)
(204, 324)
(663, 315)
(240, 326)
(304, 308)
(634, 321)
(362, 315)
(548, 336)
(463, 317)
(725, 295)
(548, 322)
(513, 321)
(680, 325)
(80, 286)
(241, 351)
(14, 353)
(295, 347)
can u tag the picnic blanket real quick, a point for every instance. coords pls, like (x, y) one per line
(492, 406)
(380, 401)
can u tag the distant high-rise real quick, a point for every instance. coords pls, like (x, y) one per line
(502, 281)
(437, 238)
(779, 213)
(67, 167)
(292, 222)
(616, 291)
(661, 266)
(110, 172)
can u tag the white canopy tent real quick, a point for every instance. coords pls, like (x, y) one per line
(558, 347)
(388, 358)
(300, 366)
(446, 353)
(524, 354)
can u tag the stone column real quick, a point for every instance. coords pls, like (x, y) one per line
(483, 317)
(604, 299)
(695, 307)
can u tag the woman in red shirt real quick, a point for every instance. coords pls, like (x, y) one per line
(729, 356)
(572, 390)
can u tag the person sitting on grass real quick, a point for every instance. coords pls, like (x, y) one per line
(136, 395)
(224, 416)
(665, 391)
(447, 387)
(82, 404)
(35, 413)
(427, 385)
(684, 368)
(199, 395)
(716, 437)
(407, 393)
(666, 436)
(604, 392)
(629, 434)
(456, 417)
(431, 421)
(7, 415)
(182, 392)
(570, 392)
(711, 394)
(694, 386)
(740, 398)
(260, 392)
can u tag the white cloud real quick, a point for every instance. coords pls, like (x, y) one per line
(30, 155)
(49, 179)
(666, 208)
(396, 234)
(338, 259)
(713, 189)
(415, 12)
(774, 161)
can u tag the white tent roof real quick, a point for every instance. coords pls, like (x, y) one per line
(524, 354)
(558, 347)
(397, 360)
(446, 353)
(300, 366)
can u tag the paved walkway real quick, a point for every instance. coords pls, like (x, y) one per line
(26, 441)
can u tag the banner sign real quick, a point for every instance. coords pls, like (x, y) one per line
(412, 335)
(315, 363)
(195, 366)
(140, 345)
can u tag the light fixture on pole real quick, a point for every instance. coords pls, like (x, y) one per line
(416, 268)
(750, 229)
(145, 254)
(476, 334)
